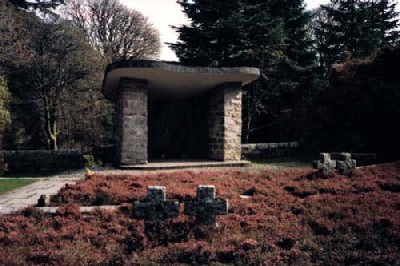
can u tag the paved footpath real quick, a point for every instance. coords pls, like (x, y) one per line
(29, 195)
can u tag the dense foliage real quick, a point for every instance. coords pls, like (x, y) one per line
(13, 41)
(55, 76)
(353, 29)
(295, 51)
(5, 118)
(52, 71)
(359, 110)
(270, 35)
(290, 217)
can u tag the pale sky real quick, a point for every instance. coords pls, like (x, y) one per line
(161, 13)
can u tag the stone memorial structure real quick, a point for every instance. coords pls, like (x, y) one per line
(342, 162)
(325, 165)
(204, 103)
(206, 206)
(345, 164)
(155, 207)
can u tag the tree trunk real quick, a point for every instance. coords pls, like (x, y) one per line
(53, 137)
(51, 126)
(53, 134)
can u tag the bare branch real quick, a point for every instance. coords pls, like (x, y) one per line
(114, 30)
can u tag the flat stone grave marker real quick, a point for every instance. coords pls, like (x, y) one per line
(206, 206)
(155, 207)
(325, 165)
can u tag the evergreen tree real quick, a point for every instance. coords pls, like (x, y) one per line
(324, 39)
(270, 35)
(295, 19)
(358, 27)
(264, 48)
(382, 22)
(296, 73)
(212, 36)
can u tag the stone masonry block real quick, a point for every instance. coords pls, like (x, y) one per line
(206, 206)
(133, 128)
(155, 207)
(156, 194)
(205, 192)
(225, 121)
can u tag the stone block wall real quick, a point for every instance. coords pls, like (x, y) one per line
(133, 122)
(31, 161)
(225, 122)
(233, 121)
(216, 125)
(268, 150)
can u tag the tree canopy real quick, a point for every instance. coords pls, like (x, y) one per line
(114, 30)
(5, 117)
(354, 29)
(53, 70)
(359, 109)
(270, 35)
(54, 76)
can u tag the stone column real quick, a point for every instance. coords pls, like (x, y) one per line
(133, 124)
(225, 122)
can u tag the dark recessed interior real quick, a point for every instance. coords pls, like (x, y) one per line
(178, 128)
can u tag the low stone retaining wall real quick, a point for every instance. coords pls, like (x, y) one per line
(30, 161)
(268, 150)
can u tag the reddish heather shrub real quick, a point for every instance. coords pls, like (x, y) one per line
(288, 218)
(72, 211)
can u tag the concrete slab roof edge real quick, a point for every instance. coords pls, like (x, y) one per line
(171, 75)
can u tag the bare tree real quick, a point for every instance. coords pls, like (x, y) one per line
(114, 30)
(54, 71)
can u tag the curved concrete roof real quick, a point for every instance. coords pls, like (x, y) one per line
(173, 79)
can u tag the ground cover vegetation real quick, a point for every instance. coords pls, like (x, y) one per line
(289, 217)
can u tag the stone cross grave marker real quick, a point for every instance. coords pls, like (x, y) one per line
(155, 207)
(325, 165)
(206, 206)
(345, 165)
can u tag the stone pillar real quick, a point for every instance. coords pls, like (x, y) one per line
(225, 122)
(133, 124)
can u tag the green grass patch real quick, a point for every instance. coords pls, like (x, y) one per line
(13, 183)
